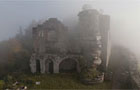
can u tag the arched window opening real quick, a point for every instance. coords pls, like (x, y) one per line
(38, 70)
(51, 67)
(68, 65)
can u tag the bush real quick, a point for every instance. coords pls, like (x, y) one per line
(89, 73)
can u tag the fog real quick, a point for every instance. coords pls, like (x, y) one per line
(125, 16)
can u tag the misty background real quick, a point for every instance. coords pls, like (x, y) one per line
(125, 17)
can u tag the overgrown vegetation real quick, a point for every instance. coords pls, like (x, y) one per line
(15, 53)
(89, 73)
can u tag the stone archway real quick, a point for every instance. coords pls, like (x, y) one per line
(38, 69)
(68, 65)
(49, 66)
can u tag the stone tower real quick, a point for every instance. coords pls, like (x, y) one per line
(94, 35)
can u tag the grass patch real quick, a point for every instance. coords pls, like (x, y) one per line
(53, 81)
(62, 81)
(1, 84)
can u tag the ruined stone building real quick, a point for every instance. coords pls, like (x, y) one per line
(57, 50)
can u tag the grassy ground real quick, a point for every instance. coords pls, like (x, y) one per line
(1, 84)
(63, 81)
(53, 81)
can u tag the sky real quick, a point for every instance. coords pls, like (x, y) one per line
(125, 16)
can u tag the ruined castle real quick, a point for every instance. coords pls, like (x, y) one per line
(56, 49)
